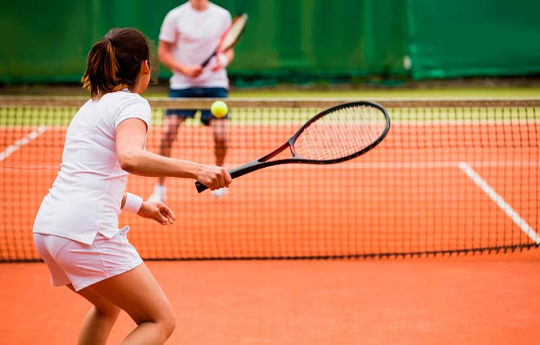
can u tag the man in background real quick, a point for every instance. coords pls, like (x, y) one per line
(189, 34)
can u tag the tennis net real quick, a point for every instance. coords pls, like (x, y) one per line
(452, 176)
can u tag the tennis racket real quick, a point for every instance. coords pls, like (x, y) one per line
(332, 136)
(230, 37)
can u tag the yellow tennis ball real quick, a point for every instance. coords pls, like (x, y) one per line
(219, 109)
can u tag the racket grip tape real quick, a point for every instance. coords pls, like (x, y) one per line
(208, 60)
(200, 187)
(236, 172)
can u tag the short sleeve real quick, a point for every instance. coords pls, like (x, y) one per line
(133, 107)
(168, 28)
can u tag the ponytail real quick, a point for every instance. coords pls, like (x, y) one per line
(114, 63)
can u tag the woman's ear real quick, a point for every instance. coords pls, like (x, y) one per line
(145, 68)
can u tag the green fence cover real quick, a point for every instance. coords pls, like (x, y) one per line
(48, 41)
(290, 40)
(473, 37)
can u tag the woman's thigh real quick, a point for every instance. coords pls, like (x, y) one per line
(137, 293)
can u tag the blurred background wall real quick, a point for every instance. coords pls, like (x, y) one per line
(291, 40)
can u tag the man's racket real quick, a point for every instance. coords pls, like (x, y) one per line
(230, 37)
(332, 136)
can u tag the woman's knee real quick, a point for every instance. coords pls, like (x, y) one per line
(168, 324)
(167, 319)
(165, 322)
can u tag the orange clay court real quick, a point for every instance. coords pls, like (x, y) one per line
(348, 210)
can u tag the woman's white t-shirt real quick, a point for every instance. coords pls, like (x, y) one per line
(86, 196)
(195, 35)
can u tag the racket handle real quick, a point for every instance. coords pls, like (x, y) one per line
(208, 60)
(236, 172)
(200, 187)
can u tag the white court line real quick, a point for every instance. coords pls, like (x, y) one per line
(480, 182)
(21, 142)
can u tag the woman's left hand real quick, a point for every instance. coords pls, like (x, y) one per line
(157, 211)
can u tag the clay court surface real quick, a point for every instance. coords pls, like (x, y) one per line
(446, 300)
(465, 299)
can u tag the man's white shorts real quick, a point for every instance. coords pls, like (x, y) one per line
(79, 264)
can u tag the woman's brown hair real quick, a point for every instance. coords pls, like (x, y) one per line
(114, 63)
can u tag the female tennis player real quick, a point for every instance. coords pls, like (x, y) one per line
(76, 229)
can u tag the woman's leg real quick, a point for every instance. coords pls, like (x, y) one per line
(138, 294)
(100, 319)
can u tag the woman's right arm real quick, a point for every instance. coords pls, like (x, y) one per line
(133, 158)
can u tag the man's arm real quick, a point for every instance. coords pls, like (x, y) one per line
(166, 57)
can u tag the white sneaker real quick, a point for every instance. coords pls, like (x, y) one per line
(159, 193)
(220, 192)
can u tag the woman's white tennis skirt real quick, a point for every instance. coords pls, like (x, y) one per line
(79, 264)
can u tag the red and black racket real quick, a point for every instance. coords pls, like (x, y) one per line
(230, 37)
(332, 136)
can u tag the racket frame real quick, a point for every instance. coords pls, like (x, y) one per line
(218, 50)
(264, 162)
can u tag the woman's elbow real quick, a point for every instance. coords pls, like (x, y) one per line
(129, 162)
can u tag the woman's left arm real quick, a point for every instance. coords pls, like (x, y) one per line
(155, 210)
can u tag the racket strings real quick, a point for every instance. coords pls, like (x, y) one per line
(341, 133)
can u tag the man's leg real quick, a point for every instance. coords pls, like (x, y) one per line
(169, 133)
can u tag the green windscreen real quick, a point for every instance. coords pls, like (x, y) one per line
(473, 38)
(317, 38)
(291, 40)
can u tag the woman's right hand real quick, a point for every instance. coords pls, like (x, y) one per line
(213, 177)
